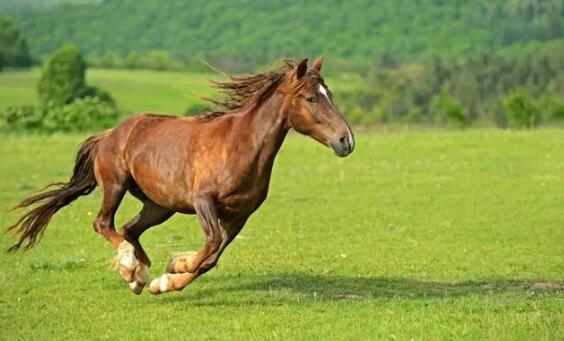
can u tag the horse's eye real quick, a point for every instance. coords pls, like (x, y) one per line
(312, 99)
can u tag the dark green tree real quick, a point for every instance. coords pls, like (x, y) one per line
(14, 50)
(521, 110)
(448, 110)
(62, 78)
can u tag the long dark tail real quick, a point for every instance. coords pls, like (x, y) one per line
(32, 224)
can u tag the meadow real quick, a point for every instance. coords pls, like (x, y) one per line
(417, 235)
(136, 90)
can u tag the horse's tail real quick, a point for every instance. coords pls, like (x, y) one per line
(32, 224)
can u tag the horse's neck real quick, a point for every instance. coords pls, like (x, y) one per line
(268, 127)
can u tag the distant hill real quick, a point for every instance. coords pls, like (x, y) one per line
(258, 31)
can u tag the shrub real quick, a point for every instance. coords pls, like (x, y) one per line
(552, 107)
(197, 109)
(520, 110)
(557, 109)
(92, 91)
(89, 113)
(414, 115)
(63, 79)
(84, 114)
(21, 118)
(448, 110)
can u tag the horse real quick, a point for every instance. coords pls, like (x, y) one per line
(216, 165)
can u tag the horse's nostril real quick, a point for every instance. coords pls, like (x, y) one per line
(342, 146)
(344, 141)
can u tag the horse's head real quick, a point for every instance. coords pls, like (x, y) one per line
(312, 111)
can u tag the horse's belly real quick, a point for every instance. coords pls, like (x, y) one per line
(164, 186)
(243, 201)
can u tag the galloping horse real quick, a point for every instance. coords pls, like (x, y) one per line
(216, 165)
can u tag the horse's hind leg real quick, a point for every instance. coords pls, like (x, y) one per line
(133, 261)
(113, 182)
(112, 194)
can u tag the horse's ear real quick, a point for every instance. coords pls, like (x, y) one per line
(301, 69)
(317, 64)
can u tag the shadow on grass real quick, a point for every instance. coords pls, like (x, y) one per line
(301, 287)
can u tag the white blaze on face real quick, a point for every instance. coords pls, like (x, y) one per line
(323, 91)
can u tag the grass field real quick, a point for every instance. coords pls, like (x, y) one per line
(134, 90)
(139, 90)
(417, 235)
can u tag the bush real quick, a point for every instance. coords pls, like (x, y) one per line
(448, 110)
(90, 113)
(21, 118)
(520, 110)
(84, 114)
(557, 110)
(92, 91)
(552, 107)
(197, 109)
(63, 80)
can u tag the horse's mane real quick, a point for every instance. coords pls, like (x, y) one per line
(248, 90)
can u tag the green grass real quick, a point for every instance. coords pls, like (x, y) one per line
(134, 90)
(417, 235)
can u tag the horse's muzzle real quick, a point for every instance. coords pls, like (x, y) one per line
(344, 145)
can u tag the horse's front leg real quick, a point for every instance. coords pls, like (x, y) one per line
(184, 267)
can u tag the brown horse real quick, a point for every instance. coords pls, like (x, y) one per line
(217, 166)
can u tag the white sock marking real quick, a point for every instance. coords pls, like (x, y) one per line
(163, 283)
(126, 255)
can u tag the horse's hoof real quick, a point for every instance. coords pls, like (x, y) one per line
(136, 288)
(131, 269)
(181, 263)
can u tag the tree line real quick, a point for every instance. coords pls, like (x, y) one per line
(14, 48)
(460, 91)
(248, 33)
